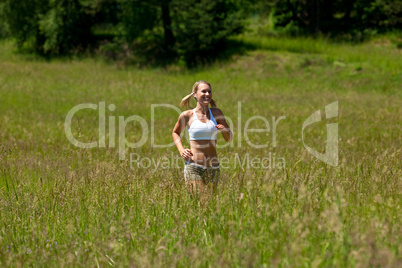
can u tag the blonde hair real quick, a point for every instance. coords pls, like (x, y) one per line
(185, 102)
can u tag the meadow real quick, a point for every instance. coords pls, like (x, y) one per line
(61, 205)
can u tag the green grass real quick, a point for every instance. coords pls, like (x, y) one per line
(62, 205)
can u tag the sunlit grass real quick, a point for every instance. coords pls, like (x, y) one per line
(62, 205)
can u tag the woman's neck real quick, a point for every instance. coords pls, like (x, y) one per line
(201, 109)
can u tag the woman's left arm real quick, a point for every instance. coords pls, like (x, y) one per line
(222, 126)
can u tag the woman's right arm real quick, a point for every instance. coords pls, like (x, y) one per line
(178, 128)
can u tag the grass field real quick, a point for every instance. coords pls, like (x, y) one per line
(69, 206)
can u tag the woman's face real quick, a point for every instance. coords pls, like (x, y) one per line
(203, 94)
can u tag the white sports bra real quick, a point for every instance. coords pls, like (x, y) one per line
(203, 131)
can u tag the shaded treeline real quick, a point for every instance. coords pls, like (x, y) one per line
(184, 30)
(335, 17)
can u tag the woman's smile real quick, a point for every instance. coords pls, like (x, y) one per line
(204, 93)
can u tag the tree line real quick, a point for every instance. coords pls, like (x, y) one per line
(181, 29)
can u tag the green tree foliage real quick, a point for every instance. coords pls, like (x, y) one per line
(202, 27)
(23, 20)
(65, 26)
(49, 26)
(4, 31)
(377, 14)
(321, 16)
(136, 17)
(190, 29)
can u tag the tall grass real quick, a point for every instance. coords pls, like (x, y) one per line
(67, 206)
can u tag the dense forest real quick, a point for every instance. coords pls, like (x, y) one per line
(187, 30)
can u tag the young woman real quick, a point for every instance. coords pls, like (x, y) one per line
(202, 166)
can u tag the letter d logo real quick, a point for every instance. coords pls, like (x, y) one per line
(331, 149)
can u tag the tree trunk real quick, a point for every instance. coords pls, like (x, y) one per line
(167, 25)
(317, 17)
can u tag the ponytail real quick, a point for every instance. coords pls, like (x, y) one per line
(185, 102)
(213, 103)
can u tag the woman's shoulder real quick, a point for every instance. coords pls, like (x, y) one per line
(216, 111)
(187, 114)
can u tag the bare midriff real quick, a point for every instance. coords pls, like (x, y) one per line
(204, 153)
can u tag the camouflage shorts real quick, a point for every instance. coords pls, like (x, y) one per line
(194, 172)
